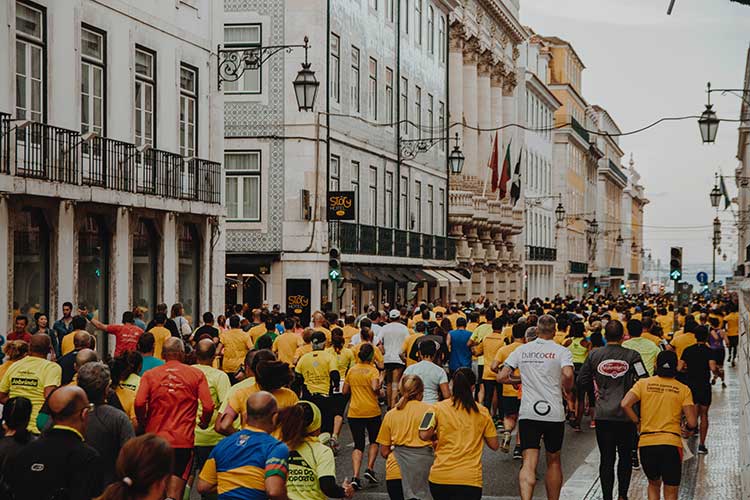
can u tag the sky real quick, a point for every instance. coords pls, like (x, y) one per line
(642, 65)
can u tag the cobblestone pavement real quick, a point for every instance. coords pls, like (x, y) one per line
(715, 476)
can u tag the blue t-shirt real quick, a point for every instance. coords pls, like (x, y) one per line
(148, 363)
(460, 352)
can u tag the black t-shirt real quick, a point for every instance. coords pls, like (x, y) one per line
(697, 357)
(205, 330)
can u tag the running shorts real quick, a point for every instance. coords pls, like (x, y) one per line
(511, 405)
(662, 462)
(183, 462)
(359, 426)
(532, 432)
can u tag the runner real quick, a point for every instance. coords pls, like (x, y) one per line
(731, 324)
(320, 372)
(546, 373)
(510, 402)
(717, 339)
(434, 379)
(393, 334)
(663, 401)
(144, 466)
(458, 340)
(126, 334)
(698, 363)
(488, 348)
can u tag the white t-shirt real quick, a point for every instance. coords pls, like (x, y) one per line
(393, 334)
(432, 376)
(377, 335)
(541, 363)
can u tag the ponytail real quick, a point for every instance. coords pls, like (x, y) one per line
(143, 462)
(463, 395)
(411, 388)
(294, 424)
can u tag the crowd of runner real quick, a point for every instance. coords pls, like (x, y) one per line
(252, 404)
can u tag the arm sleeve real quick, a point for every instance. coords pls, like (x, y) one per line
(277, 461)
(489, 428)
(53, 375)
(208, 473)
(443, 377)
(5, 383)
(329, 487)
(637, 389)
(566, 358)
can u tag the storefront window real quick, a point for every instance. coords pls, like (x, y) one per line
(30, 264)
(93, 266)
(145, 270)
(189, 270)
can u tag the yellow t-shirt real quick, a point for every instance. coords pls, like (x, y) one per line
(407, 345)
(344, 359)
(377, 358)
(316, 367)
(401, 428)
(478, 336)
(28, 377)
(66, 346)
(309, 462)
(4, 368)
(501, 356)
(349, 332)
(662, 400)
(460, 434)
(235, 348)
(301, 351)
(489, 347)
(682, 342)
(218, 384)
(238, 400)
(286, 345)
(650, 336)
(325, 331)
(255, 333)
(364, 401)
(560, 337)
(244, 384)
(160, 335)
(132, 382)
(127, 400)
(732, 320)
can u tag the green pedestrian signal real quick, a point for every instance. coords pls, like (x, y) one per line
(675, 263)
(334, 274)
(334, 265)
(676, 275)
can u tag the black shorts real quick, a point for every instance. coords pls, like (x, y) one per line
(183, 462)
(200, 457)
(511, 405)
(338, 404)
(359, 426)
(532, 432)
(454, 491)
(718, 355)
(389, 367)
(701, 395)
(662, 463)
(734, 340)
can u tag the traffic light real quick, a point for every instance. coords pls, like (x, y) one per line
(334, 264)
(675, 263)
(585, 285)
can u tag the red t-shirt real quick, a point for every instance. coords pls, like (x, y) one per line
(25, 336)
(167, 402)
(127, 337)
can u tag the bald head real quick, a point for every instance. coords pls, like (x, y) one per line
(85, 356)
(205, 351)
(65, 405)
(81, 340)
(173, 349)
(261, 409)
(40, 345)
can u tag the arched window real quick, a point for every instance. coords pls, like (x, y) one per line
(93, 266)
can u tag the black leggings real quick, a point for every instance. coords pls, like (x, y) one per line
(616, 440)
(733, 341)
(395, 492)
(358, 427)
(455, 491)
(490, 388)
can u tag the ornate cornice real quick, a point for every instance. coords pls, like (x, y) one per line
(510, 24)
(509, 83)
(471, 50)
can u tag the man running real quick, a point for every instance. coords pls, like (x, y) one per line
(510, 403)
(613, 369)
(698, 363)
(393, 334)
(546, 373)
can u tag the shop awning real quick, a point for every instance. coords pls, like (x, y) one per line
(423, 276)
(460, 277)
(357, 275)
(249, 263)
(438, 277)
(378, 274)
(452, 280)
(410, 275)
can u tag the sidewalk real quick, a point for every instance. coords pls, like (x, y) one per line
(716, 475)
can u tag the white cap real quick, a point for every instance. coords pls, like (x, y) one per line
(394, 314)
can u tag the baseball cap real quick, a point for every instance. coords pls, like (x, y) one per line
(666, 364)
(394, 314)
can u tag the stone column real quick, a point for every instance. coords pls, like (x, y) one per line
(484, 117)
(66, 254)
(496, 102)
(121, 267)
(509, 112)
(456, 78)
(5, 258)
(171, 260)
(471, 105)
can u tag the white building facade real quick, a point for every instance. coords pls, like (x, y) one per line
(384, 86)
(110, 186)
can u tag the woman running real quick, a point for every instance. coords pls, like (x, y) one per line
(579, 349)
(717, 339)
(344, 360)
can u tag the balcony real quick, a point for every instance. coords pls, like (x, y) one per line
(540, 254)
(579, 129)
(617, 171)
(578, 267)
(616, 272)
(361, 239)
(46, 152)
(634, 276)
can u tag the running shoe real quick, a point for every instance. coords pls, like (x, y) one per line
(723, 385)
(505, 443)
(370, 476)
(593, 424)
(634, 460)
(517, 453)
(356, 484)
(702, 450)
(334, 444)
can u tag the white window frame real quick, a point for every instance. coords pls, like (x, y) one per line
(188, 127)
(431, 29)
(441, 211)
(372, 91)
(441, 39)
(372, 202)
(389, 95)
(418, 21)
(335, 76)
(239, 176)
(334, 177)
(354, 179)
(245, 84)
(430, 209)
(404, 118)
(418, 205)
(34, 48)
(93, 66)
(388, 199)
(431, 114)
(147, 83)
(418, 109)
(355, 91)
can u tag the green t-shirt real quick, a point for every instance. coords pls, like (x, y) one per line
(28, 377)
(307, 464)
(218, 384)
(647, 349)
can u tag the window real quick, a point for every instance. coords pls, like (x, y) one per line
(372, 91)
(145, 266)
(441, 124)
(431, 115)
(416, 224)
(243, 36)
(441, 211)
(188, 110)
(403, 205)
(388, 95)
(404, 118)
(441, 39)
(335, 68)
(31, 259)
(373, 201)
(418, 110)
(243, 185)
(92, 81)
(374, 4)
(418, 21)
(355, 187)
(94, 265)
(431, 29)
(389, 199)
(30, 70)
(406, 16)
(355, 80)
(389, 10)
(189, 270)
(145, 97)
(430, 209)
(335, 173)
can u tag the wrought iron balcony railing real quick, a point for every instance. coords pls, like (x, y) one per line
(351, 238)
(540, 253)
